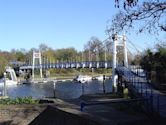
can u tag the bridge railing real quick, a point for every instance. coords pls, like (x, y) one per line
(84, 64)
(156, 101)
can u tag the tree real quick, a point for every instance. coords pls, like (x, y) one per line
(151, 15)
(20, 56)
(94, 49)
(155, 61)
(147, 60)
(67, 54)
(126, 3)
(48, 55)
(3, 63)
(43, 47)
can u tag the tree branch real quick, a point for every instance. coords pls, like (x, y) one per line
(153, 13)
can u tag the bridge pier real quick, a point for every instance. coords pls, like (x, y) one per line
(114, 76)
(118, 41)
(36, 55)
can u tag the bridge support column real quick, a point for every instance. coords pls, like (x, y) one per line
(125, 52)
(36, 55)
(118, 41)
(114, 76)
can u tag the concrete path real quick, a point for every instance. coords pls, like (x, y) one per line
(111, 114)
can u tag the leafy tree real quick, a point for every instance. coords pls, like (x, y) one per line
(147, 60)
(156, 61)
(20, 56)
(160, 64)
(49, 55)
(68, 54)
(8, 56)
(3, 63)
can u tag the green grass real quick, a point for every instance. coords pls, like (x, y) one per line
(71, 73)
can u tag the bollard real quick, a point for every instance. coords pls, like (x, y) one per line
(82, 85)
(151, 103)
(54, 87)
(142, 89)
(151, 92)
(103, 83)
(5, 93)
(146, 90)
(82, 106)
(158, 104)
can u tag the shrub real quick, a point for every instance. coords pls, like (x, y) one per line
(19, 100)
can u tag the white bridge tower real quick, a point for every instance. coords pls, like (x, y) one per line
(118, 41)
(36, 55)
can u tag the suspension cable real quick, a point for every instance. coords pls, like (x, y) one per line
(133, 45)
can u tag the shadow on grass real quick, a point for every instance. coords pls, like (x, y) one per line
(6, 122)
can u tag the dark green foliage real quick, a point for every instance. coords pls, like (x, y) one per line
(3, 63)
(67, 54)
(156, 61)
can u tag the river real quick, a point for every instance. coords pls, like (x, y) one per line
(63, 90)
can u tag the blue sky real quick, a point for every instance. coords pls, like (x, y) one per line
(57, 23)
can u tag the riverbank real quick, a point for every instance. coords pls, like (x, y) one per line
(61, 77)
(63, 74)
(20, 114)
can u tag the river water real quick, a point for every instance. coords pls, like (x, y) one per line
(63, 90)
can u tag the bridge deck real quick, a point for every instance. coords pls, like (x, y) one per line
(85, 64)
(141, 85)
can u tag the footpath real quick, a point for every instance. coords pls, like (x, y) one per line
(67, 112)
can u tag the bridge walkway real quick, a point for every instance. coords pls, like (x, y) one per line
(141, 85)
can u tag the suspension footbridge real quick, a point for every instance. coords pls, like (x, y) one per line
(137, 82)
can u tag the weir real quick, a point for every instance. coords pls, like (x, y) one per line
(11, 73)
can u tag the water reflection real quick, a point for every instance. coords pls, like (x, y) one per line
(63, 90)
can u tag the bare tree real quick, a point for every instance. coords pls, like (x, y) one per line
(94, 49)
(125, 3)
(149, 15)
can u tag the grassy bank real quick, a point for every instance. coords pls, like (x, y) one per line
(18, 100)
(71, 73)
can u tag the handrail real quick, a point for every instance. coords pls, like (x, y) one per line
(119, 100)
